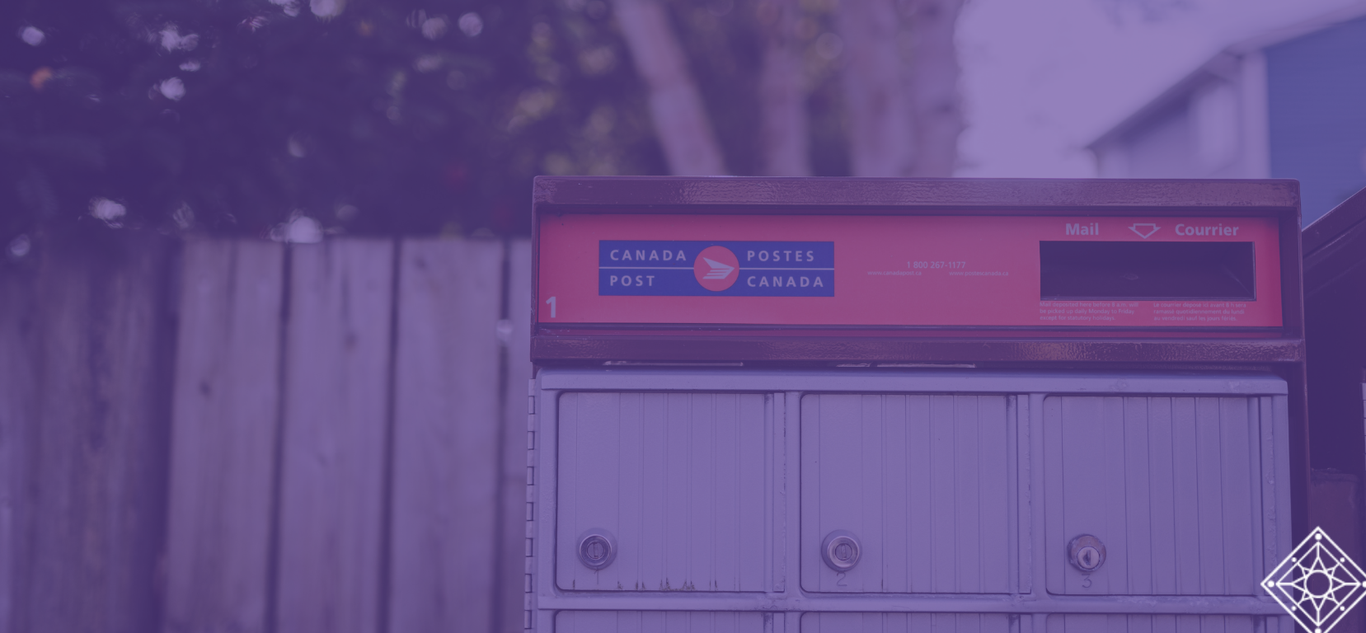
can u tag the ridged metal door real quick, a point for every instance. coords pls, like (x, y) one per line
(662, 622)
(909, 623)
(679, 479)
(921, 481)
(1089, 623)
(1171, 486)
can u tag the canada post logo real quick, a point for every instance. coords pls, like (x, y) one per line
(658, 268)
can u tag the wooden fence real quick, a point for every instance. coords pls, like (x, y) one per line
(231, 435)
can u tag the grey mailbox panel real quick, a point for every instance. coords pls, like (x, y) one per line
(910, 623)
(679, 479)
(1170, 486)
(921, 481)
(661, 622)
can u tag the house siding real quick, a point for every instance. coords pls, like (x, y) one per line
(1161, 148)
(1317, 114)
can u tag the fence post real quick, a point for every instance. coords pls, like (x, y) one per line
(512, 555)
(226, 410)
(443, 542)
(86, 420)
(334, 452)
(18, 421)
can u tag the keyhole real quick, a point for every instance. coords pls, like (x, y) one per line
(843, 551)
(597, 550)
(1089, 557)
(1086, 553)
(840, 551)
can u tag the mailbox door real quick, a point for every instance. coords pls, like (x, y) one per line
(920, 482)
(1166, 624)
(680, 482)
(910, 623)
(1171, 486)
(662, 622)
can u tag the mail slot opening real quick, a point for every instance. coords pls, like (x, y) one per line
(1146, 270)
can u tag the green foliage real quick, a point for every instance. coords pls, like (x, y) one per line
(230, 116)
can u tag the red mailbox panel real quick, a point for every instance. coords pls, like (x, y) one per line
(922, 270)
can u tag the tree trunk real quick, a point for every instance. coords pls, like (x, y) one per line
(782, 94)
(936, 107)
(680, 119)
(879, 120)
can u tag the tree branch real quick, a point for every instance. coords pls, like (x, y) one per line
(782, 94)
(936, 107)
(879, 121)
(680, 120)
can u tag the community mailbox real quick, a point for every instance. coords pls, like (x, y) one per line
(905, 405)
(1335, 315)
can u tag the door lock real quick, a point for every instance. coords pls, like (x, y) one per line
(1086, 553)
(597, 549)
(840, 550)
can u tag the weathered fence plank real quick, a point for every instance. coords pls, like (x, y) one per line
(512, 555)
(97, 469)
(18, 416)
(88, 418)
(446, 424)
(226, 409)
(335, 430)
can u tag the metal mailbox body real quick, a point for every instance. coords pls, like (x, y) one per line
(847, 449)
(1335, 311)
(1335, 306)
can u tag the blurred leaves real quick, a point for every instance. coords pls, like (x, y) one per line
(239, 117)
(369, 116)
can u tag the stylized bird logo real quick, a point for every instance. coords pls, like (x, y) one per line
(718, 270)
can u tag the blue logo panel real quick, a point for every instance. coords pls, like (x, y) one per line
(664, 268)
